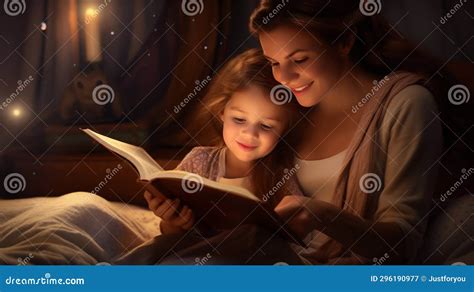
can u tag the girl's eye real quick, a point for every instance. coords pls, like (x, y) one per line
(238, 120)
(299, 61)
(273, 64)
(266, 127)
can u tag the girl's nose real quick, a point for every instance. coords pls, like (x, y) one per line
(251, 131)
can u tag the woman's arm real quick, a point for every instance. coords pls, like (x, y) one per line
(411, 141)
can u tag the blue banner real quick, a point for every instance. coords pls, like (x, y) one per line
(236, 278)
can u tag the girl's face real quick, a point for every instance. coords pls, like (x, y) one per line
(252, 124)
(302, 62)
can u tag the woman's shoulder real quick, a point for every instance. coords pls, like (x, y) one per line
(413, 112)
(413, 97)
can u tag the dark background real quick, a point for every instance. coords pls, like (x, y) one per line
(152, 56)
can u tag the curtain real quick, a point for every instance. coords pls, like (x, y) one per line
(178, 61)
(55, 57)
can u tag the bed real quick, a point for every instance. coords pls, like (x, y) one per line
(76, 228)
(81, 228)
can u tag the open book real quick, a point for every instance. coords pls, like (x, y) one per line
(215, 205)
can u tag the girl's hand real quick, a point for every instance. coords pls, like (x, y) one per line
(297, 212)
(167, 210)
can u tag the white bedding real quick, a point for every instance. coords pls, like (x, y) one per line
(76, 228)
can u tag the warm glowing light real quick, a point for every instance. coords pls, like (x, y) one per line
(92, 35)
(90, 12)
(16, 112)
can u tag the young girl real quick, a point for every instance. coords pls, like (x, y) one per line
(252, 115)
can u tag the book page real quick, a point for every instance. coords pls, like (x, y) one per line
(137, 156)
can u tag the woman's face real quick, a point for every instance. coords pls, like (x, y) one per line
(302, 62)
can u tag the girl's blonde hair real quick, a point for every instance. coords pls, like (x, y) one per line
(250, 68)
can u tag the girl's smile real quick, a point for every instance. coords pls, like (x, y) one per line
(252, 124)
(246, 147)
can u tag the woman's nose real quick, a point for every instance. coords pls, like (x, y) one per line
(286, 74)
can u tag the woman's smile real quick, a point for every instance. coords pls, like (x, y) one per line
(301, 89)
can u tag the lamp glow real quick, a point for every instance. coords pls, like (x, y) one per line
(90, 12)
(16, 112)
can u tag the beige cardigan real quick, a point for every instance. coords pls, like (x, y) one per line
(391, 157)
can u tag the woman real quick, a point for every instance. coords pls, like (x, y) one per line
(371, 136)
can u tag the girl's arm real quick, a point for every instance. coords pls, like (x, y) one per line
(174, 218)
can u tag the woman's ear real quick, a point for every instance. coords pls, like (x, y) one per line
(347, 42)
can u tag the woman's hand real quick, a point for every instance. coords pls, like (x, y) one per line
(167, 210)
(297, 212)
(366, 238)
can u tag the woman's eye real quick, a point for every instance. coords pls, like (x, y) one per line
(273, 64)
(238, 120)
(299, 61)
(266, 127)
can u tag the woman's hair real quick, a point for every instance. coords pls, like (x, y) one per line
(377, 48)
(250, 68)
